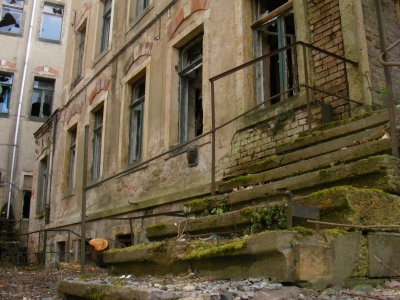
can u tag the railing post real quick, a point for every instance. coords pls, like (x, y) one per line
(212, 138)
(307, 89)
(130, 223)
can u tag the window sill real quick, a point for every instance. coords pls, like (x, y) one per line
(40, 214)
(68, 194)
(101, 55)
(3, 115)
(50, 41)
(37, 119)
(141, 15)
(11, 33)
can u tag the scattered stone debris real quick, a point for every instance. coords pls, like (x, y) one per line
(41, 285)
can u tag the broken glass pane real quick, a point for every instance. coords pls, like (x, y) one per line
(52, 22)
(5, 93)
(10, 20)
(18, 3)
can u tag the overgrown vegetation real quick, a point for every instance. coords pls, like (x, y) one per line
(208, 206)
(267, 217)
(207, 250)
(94, 294)
(280, 121)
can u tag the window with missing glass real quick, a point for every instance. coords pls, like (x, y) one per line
(105, 37)
(136, 120)
(5, 92)
(81, 51)
(52, 22)
(191, 90)
(274, 28)
(97, 138)
(42, 98)
(11, 15)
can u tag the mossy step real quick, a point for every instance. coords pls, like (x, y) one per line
(381, 172)
(334, 130)
(297, 163)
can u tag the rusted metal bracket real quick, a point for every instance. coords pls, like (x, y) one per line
(386, 63)
(300, 211)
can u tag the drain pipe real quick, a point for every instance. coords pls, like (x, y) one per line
(388, 78)
(21, 94)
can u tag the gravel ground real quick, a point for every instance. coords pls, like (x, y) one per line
(41, 285)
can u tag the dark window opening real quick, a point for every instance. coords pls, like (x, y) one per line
(42, 186)
(124, 239)
(98, 132)
(26, 205)
(191, 87)
(106, 26)
(81, 51)
(61, 251)
(72, 154)
(277, 73)
(42, 98)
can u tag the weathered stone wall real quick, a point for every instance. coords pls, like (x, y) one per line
(392, 31)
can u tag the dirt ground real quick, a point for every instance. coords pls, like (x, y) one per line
(39, 284)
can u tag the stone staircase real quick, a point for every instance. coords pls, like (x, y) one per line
(343, 168)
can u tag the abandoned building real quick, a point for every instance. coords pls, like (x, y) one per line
(33, 43)
(181, 107)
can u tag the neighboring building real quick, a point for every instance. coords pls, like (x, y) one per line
(31, 69)
(137, 78)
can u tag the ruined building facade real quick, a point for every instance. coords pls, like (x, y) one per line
(137, 84)
(33, 37)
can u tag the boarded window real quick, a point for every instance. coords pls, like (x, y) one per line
(191, 95)
(42, 186)
(11, 15)
(136, 120)
(5, 92)
(42, 98)
(52, 22)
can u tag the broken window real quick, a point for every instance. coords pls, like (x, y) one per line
(123, 240)
(97, 138)
(60, 249)
(42, 186)
(275, 29)
(106, 26)
(42, 98)
(72, 154)
(81, 51)
(26, 205)
(52, 22)
(136, 120)
(191, 96)
(141, 5)
(11, 14)
(5, 92)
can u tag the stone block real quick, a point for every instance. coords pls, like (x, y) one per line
(385, 247)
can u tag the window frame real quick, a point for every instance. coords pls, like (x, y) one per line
(10, 92)
(44, 91)
(81, 52)
(54, 15)
(16, 9)
(141, 6)
(136, 132)
(105, 31)
(72, 157)
(185, 69)
(97, 143)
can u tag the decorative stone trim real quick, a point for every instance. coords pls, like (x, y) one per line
(8, 64)
(182, 15)
(101, 85)
(43, 69)
(73, 109)
(85, 7)
(138, 51)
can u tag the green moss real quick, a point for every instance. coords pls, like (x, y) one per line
(303, 230)
(360, 268)
(266, 217)
(119, 283)
(324, 173)
(216, 251)
(239, 181)
(150, 246)
(213, 205)
(280, 121)
(336, 231)
(158, 226)
(82, 276)
(94, 294)
(265, 161)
